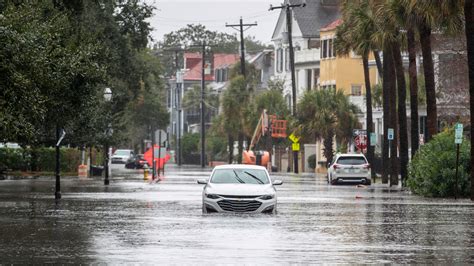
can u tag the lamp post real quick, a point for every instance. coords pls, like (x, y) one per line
(107, 98)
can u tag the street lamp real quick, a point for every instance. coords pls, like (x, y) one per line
(107, 98)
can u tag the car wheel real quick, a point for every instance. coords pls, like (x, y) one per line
(368, 183)
(333, 181)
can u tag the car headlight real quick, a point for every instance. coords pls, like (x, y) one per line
(267, 197)
(212, 196)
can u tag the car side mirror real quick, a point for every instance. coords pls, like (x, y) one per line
(277, 182)
(202, 181)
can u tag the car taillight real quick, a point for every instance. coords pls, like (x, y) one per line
(336, 166)
(366, 166)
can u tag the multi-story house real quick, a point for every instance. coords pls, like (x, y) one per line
(217, 69)
(306, 24)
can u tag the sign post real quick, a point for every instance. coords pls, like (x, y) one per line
(295, 147)
(458, 129)
(373, 139)
(390, 135)
(360, 139)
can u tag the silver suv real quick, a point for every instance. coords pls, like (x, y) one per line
(122, 156)
(349, 168)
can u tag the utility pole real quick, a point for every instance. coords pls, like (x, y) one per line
(203, 109)
(203, 46)
(242, 47)
(242, 67)
(177, 103)
(288, 7)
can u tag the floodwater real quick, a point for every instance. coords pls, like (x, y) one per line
(133, 221)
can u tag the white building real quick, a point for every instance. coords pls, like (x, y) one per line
(306, 24)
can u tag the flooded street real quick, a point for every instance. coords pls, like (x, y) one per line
(133, 221)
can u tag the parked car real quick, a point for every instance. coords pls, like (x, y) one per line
(122, 156)
(349, 168)
(136, 162)
(239, 188)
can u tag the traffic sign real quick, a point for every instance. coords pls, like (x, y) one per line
(458, 129)
(295, 146)
(373, 139)
(294, 138)
(164, 136)
(390, 134)
(357, 132)
(361, 142)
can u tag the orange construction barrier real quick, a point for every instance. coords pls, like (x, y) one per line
(82, 170)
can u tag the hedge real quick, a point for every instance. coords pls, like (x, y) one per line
(432, 170)
(42, 159)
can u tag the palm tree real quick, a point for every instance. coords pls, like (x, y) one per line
(402, 111)
(441, 15)
(325, 114)
(408, 20)
(355, 34)
(413, 90)
(469, 18)
(233, 103)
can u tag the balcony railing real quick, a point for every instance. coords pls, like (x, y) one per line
(307, 56)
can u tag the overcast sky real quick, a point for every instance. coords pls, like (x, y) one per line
(171, 15)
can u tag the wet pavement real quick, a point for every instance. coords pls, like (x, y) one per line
(133, 221)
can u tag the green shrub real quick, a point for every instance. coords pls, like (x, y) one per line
(14, 159)
(312, 161)
(432, 170)
(190, 143)
(40, 159)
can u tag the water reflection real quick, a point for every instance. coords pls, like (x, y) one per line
(132, 221)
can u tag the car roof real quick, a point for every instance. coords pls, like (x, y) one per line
(240, 166)
(350, 155)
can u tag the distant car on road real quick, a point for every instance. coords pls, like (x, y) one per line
(349, 168)
(122, 156)
(239, 188)
(136, 162)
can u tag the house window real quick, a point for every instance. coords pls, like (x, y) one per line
(218, 75)
(333, 49)
(330, 48)
(279, 64)
(287, 60)
(308, 78)
(225, 74)
(325, 49)
(356, 90)
(288, 100)
(315, 77)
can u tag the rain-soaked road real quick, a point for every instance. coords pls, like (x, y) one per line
(132, 221)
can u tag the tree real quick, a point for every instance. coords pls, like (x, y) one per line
(63, 54)
(440, 15)
(192, 102)
(48, 75)
(402, 111)
(195, 34)
(354, 34)
(147, 112)
(469, 18)
(325, 114)
(234, 103)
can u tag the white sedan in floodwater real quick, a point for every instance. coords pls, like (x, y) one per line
(239, 188)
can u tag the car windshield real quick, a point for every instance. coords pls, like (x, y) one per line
(239, 176)
(122, 152)
(352, 160)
